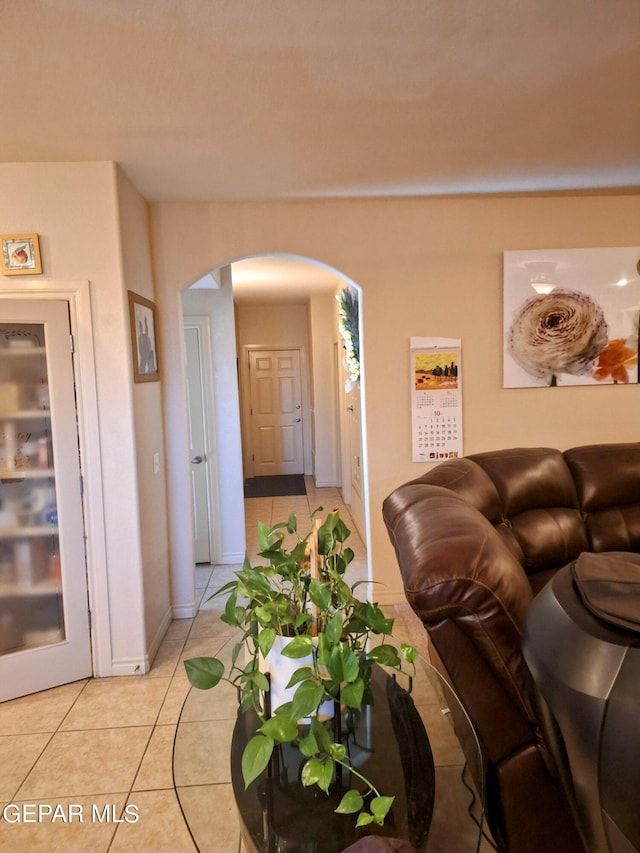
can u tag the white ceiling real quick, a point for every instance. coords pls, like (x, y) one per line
(259, 99)
(276, 99)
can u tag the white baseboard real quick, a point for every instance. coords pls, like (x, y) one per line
(184, 611)
(142, 665)
(130, 666)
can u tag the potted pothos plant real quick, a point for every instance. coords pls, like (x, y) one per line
(302, 594)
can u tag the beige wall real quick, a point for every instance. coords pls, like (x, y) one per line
(426, 267)
(149, 433)
(92, 227)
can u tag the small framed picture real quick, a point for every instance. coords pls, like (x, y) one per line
(20, 254)
(144, 340)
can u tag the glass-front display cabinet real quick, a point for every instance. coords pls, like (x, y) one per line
(30, 579)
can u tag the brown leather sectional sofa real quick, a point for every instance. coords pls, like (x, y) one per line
(476, 538)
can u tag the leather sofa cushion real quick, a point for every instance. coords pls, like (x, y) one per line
(529, 478)
(549, 538)
(605, 475)
(542, 523)
(468, 480)
(607, 478)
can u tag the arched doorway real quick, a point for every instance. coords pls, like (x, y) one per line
(264, 302)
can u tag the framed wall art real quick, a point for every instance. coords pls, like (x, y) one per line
(20, 254)
(571, 317)
(144, 343)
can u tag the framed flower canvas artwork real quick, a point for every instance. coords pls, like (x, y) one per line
(571, 317)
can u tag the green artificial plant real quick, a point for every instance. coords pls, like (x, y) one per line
(301, 593)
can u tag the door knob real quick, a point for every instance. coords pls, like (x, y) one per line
(196, 460)
(297, 420)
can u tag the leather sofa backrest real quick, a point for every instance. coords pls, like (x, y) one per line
(607, 479)
(541, 518)
(529, 496)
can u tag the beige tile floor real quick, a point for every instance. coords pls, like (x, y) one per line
(89, 766)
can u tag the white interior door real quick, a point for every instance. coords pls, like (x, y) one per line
(44, 619)
(276, 412)
(197, 445)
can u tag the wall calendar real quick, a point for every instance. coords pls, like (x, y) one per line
(436, 399)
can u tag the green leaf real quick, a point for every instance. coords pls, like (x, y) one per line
(263, 614)
(311, 772)
(326, 777)
(334, 628)
(409, 653)
(299, 647)
(306, 699)
(343, 664)
(299, 553)
(292, 523)
(204, 673)
(338, 751)
(256, 678)
(324, 649)
(255, 757)
(320, 594)
(230, 616)
(386, 655)
(280, 727)
(299, 675)
(237, 651)
(308, 745)
(266, 639)
(326, 536)
(380, 807)
(351, 802)
(341, 531)
(351, 694)
(264, 542)
(377, 621)
(364, 819)
(317, 772)
(321, 735)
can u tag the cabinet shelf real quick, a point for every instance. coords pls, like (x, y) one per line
(29, 531)
(27, 474)
(25, 414)
(20, 352)
(50, 586)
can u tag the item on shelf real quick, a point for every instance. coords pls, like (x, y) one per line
(8, 514)
(9, 397)
(42, 396)
(23, 562)
(43, 452)
(50, 515)
(55, 569)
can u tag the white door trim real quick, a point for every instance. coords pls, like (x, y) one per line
(78, 295)
(201, 322)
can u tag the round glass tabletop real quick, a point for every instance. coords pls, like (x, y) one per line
(405, 743)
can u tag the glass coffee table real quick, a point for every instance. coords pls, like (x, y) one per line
(405, 743)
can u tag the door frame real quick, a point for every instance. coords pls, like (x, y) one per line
(245, 405)
(78, 295)
(201, 323)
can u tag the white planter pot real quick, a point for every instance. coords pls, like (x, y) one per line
(280, 670)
